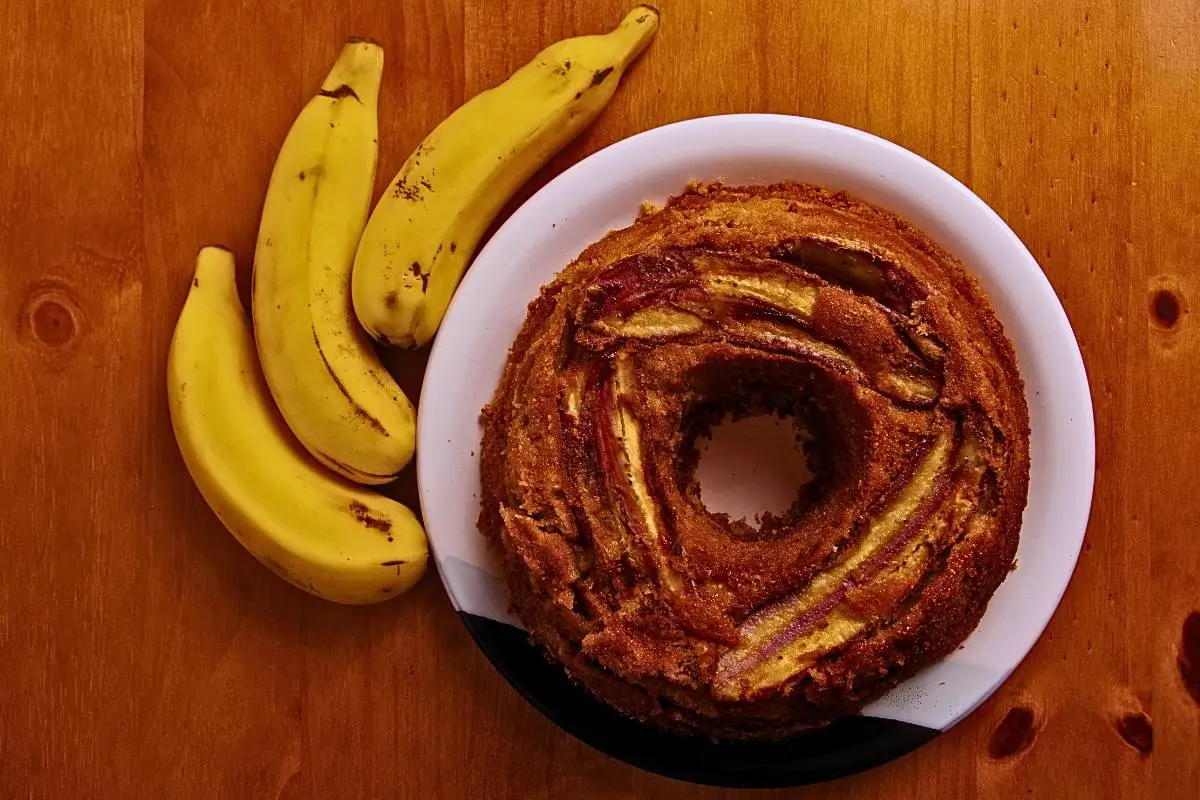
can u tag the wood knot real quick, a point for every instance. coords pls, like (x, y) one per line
(53, 323)
(1136, 730)
(51, 318)
(1165, 309)
(1014, 735)
(1189, 655)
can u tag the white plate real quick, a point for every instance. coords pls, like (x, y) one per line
(605, 191)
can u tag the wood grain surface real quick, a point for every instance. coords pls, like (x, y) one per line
(143, 653)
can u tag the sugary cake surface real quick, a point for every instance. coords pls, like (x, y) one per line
(734, 300)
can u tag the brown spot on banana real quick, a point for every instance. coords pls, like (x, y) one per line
(369, 519)
(415, 269)
(340, 92)
(406, 191)
(599, 75)
(359, 411)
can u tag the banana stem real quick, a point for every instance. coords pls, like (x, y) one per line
(357, 72)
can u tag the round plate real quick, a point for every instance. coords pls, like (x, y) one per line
(604, 192)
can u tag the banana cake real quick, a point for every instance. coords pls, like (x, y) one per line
(789, 299)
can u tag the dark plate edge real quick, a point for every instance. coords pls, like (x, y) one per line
(849, 746)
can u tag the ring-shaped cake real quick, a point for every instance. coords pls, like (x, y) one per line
(904, 393)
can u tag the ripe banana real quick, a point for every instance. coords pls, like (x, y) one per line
(308, 525)
(426, 226)
(328, 382)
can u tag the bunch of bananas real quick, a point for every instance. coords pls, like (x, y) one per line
(280, 426)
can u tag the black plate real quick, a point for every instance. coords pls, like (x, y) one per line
(848, 746)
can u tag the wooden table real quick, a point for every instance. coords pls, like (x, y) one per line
(143, 653)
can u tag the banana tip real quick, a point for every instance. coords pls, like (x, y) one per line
(644, 14)
(644, 19)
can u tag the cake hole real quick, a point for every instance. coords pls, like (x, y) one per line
(753, 466)
(766, 443)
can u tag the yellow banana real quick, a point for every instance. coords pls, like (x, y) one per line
(426, 226)
(315, 529)
(328, 382)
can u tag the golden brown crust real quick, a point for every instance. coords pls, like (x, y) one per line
(784, 297)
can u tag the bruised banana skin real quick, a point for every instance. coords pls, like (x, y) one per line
(310, 526)
(321, 367)
(425, 228)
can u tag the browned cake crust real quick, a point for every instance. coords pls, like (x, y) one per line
(739, 299)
